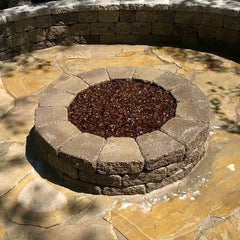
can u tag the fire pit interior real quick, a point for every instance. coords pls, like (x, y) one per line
(122, 130)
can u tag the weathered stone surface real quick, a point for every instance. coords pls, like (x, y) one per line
(119, 72)
(119, 156)
(57, 32)
(65, 18)
(72, 85)
(207, 32)
(170, 81)
(82, 150)
(24, 25)
(55, 98)
(166, 16)
(215, 20)
(7, 101)
(145, 177)
(18, 39)
(4, 44)
(188, 17)
(188, 93)
(37, 35)
(164, 29)
(232, 23)
(127, 16)
(191, 133)
(140, 28)
(95, 76)
(146, 16)
(85, 16)
(44, 21)
(80, 29)
(198, 111)
(174, 167)
(227, 35)
(147, 73)
(53, 136)
(46, 115)
(100, 28)
(108, 16)
(122, 27)
(159, 149)
(139, 189)
(185, 30)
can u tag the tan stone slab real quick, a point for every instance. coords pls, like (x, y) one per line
(72, 85)
(95, 76)
(82, 150)
(147, 73)
(119, 72)
(119, 156)
(7, 101)
(159, 149)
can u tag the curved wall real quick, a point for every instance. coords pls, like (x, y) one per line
(188, 23)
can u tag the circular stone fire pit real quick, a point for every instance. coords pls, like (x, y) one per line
(127, 154)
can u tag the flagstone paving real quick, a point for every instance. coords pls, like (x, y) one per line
(35, 206)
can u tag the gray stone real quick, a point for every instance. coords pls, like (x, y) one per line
(108, 16)
(46, 115)
(160, 149)
(80, 29)
(72, 85)
(44, 21)
(4, 44)
(55, 98)
(85, 16)
(119, 72)
(123, 27)
(83, 151)
(65, 19)
(24, 25)
(188, 93)
(108, 38)
(207, 32)
(227, 35)
(147, 73)
(57, 32)
(120, 156)
(232, 23)
(101, 28)
(175, 167)
(139, 189)
(166, 16)
(191, 133)
(127, 16)
(170, 81)
(125, 38)
(164, 29)
(144, 177)
(215, 20)
(188, 17)
(95, 76)
(146, 16)
(198, 111)
(141, 28)
(19, 39)
(189, 30)
(37, 35)
(195, 155)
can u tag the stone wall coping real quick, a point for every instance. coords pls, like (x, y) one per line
(231, 7)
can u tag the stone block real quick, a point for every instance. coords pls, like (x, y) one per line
(188, 93)
(146, 16)
(101, 28)
(57, 32)
(119, 72)
(145, 177)
(55, 98)
(195, 155)
(37, 35)
(65, 19)
(128, 16)
(80, 29)
(207, 32)
(19, 39)
(24, 25)
(141, 28)
(90, 39)
(120, 156)
(227, 35)
(215, 20)
(232, 23)
(95, 76)
(170, 81)
(189, 132)
(82, 150)
(160, 150)
(72, 85)
(175, 167)
(181, 30)
(107, 38)
(46, 115)
(122, 27)
(164, 29)
(108, 16)
(4, 44)
(188, 17)
(166, 16)
(139, 189)
(88, 16)
(43, 45)
(198, 111)
(44, 21)
(125, 38)
(147, 73)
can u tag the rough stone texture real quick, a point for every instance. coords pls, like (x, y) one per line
(188, 17)
(85, 16)
(65, 19)
(191, 133)
(95, 76)
(140, 28)
(46, 115)
(174, 167)
(166, 16)
(81, 151)
(139, 189)
(119, 72)
(119, 156)
(100, 28)
(127, 16)
(214, 20)
(80, 29)
(146, 16)
(122, 27)
(108, 16)
(44, 21)
(164, 29)
(185, 30)
(18, 39)
(57, 32)
(37, 35)
(159, 149)
(24, 25)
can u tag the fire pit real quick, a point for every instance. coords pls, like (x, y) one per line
(122, 130)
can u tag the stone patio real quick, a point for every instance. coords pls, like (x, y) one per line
(203, 206)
